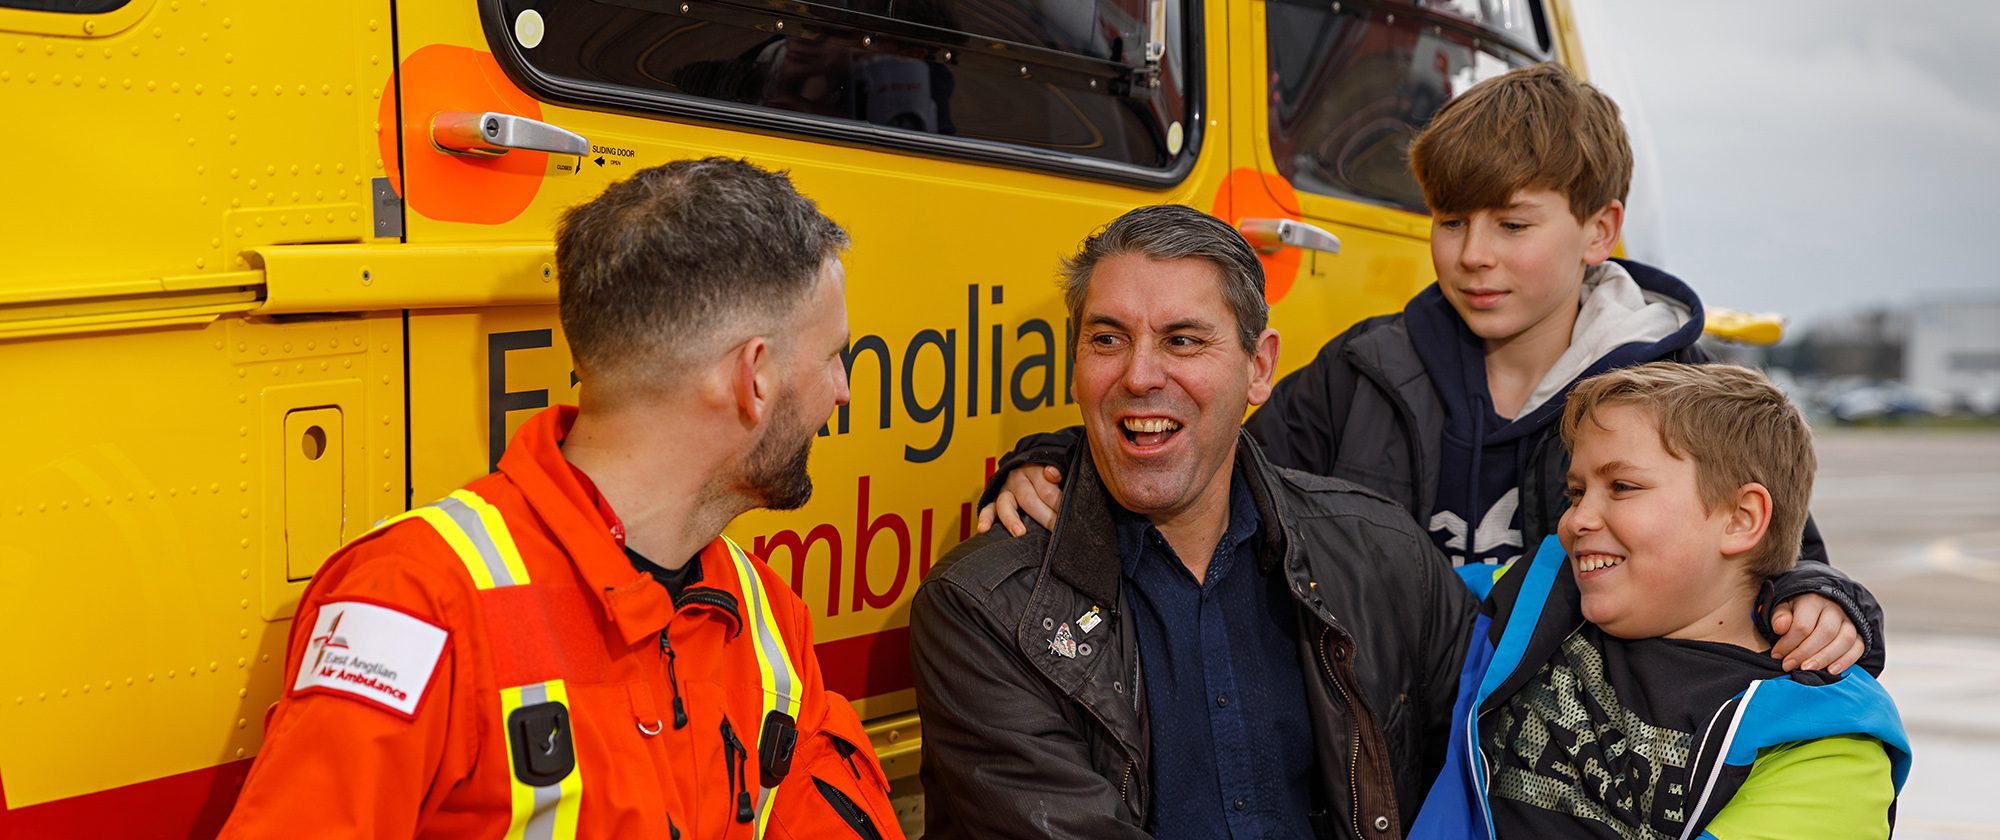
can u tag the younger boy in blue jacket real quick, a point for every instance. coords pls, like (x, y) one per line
(1618, 686)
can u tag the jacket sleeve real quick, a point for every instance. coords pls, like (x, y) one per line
(1814, 574)
(1301, 425)
(1448, 628)
(1831, 787)
(336, 765)
(1050, 448)
(1000, 760)
(836, 787)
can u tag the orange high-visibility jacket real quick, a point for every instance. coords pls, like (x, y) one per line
(491, 665)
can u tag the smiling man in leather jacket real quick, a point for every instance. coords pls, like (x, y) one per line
(1206, 645)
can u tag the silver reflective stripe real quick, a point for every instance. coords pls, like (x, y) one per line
(475, 529)
(767, 637)
(541, 821)
(767, 644)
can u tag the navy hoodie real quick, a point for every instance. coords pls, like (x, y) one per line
(1477, 517)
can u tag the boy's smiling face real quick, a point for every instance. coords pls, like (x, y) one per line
(1514, 272)
(1649, 555)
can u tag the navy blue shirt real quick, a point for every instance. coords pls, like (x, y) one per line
(1232, 746)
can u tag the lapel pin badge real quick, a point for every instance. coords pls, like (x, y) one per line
(1089, 621)
(1064, 643)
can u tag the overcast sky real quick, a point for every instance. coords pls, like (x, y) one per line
(1810, 158)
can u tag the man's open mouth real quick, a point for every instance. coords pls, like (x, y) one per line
(1148, 432)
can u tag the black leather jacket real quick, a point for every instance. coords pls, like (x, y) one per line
(1020, 741)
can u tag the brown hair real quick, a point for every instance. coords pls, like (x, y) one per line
(680, 256)
(1734, 425)
(1534, 128)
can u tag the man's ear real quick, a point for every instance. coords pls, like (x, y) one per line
(1263, 367)
(1749, 517)
(1603, 227)
(751, 380)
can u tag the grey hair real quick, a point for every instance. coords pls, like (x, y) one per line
(1172, 232)
(682, 256)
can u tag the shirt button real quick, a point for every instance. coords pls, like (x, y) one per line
(1381, 823)
(1240, 804)
(1222, 700)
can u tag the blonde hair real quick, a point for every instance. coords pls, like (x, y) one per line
(1538, 127)
(1734, 425)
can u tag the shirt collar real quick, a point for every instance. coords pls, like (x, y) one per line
(1136, 532)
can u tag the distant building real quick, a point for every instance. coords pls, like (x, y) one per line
(1953, 349)
(1864, 345)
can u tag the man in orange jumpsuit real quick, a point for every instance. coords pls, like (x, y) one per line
(566, 647)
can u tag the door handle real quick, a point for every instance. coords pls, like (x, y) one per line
(1270, 236)
(491, 134)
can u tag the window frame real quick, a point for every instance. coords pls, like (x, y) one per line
(99, 7)
(1421, 19)
(640, 102)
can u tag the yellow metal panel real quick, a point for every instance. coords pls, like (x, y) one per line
(1569, 43)
(337, 278)
(467, 367)
(313, 445)
(27, 311)
(187, 132)
(146, 484)
(898, 743)
(1385, 253)
(142, 537)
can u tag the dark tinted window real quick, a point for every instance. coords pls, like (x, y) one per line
(1062, 83)
(1352, 83)
(80, 7)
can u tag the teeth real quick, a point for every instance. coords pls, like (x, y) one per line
(1593, 562)
(1151, 424)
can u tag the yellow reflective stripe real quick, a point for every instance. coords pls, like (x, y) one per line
(496, 530)
(454, 536)
(476, 533)
(542, 813)
(782, 691)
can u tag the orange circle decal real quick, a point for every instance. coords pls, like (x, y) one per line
(448, 187)
(1247, 193)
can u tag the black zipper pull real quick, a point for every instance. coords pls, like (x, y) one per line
(674, 682)
(846, 752)
(734, 756)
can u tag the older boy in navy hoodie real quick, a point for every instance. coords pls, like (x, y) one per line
(1449, 406)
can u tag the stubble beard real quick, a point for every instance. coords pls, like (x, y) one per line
(775, 468)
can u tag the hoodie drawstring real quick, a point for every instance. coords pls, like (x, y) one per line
(673, 680)
(1481, 406)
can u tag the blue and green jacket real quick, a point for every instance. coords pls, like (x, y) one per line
(1528, 613)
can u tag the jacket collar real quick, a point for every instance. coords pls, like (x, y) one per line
(1083, 550)
(632, 601)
